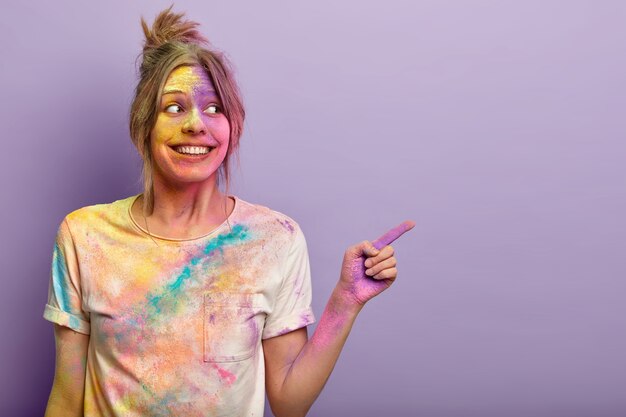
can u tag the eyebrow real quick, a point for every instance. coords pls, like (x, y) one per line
(174, 91)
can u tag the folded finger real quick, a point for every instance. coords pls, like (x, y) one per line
(387, 263)
(383, 254)
(386, 274)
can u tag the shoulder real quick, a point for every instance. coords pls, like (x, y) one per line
(272, 220)
(101, 213)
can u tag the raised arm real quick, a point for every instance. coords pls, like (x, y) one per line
(68, 388)
(296, 368)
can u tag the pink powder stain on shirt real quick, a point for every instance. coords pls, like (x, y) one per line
(120, 395)
(225, 375)
(306, 318)
(254, 332)
(141, 322)
(287, 224)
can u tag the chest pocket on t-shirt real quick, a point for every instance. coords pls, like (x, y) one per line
(233, 324)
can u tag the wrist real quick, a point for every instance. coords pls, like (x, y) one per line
(345, 300)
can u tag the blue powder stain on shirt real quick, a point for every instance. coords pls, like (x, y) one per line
(158, 405)
(183, 276)
(60, 278)
(74, 323)
(162, 404)
(238, 234)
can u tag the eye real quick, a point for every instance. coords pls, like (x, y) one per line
(214, 109)
(174, 106)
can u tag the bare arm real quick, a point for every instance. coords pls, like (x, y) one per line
(68, 388)
(296, 368)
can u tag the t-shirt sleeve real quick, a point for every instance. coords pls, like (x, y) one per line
(292, 309)
(64, 304)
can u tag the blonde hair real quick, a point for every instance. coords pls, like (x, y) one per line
(170, 43)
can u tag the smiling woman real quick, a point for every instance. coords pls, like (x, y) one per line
(188, 144)
(185, 300)
(177, 64)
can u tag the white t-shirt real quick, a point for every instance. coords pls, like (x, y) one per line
(176, 326)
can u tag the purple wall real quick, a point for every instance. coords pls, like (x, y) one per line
(497, 126)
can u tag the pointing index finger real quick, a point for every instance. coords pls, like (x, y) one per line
(393, 234)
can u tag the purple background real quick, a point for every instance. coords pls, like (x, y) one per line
(497, 126)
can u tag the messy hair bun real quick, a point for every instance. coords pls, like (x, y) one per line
(169, 27)
(173, 41)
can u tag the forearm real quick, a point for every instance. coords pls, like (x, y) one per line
(315, 362)
(62, 404)
(68, 387)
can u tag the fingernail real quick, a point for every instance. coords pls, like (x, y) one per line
(368, 263)
(368, 272)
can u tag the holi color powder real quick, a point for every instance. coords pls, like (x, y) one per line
(176, 327)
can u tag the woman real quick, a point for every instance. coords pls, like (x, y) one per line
(184, 300)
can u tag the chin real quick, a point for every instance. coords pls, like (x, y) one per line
(196, 178)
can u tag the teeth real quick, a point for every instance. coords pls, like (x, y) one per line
(194, 150)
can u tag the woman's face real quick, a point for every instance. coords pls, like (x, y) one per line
(190, 115)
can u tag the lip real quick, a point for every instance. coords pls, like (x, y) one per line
(203, 145)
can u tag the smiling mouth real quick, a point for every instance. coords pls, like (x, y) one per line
(193, 150)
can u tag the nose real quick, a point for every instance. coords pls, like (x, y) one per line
(194, 123)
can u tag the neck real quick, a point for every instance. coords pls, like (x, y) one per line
(191, 204)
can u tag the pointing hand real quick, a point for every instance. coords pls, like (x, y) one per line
(369, 268)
